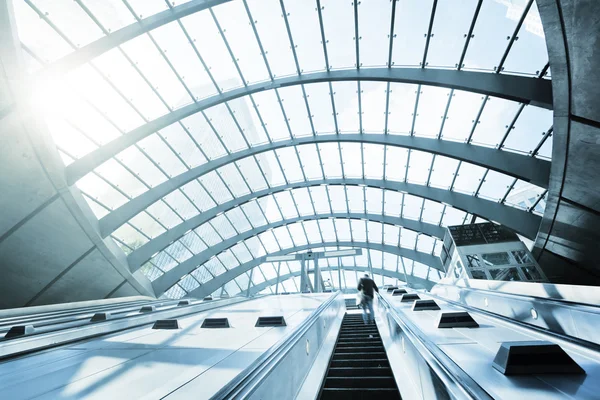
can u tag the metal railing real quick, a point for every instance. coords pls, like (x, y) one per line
(248, 380)
(458, 383)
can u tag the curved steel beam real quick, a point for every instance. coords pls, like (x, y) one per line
(171, 277)
(218, 281)
(527, 168)
(142, 254)
(517, 88)
(521, 221)
(117, 38)
(416, 282)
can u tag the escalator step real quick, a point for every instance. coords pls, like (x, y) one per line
(360, 394)
(359, 349)
(360, 382)
(360, 342)
(358, 356)
(360, 371)
(346, 363)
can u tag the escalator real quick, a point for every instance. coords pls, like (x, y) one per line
(359, 367)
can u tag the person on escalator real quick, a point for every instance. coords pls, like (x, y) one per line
(367, 288)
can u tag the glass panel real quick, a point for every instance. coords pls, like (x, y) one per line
(528, 54)
(234, 180)
(410, 29)
(286, 204)
(491, 259)
(238, 32)
(270, 209)
(175, 45)
(319, 100)
(505, 274)
(204, 135)
(338, 22)
(529, 129)
(468, 178)
(356, 199)
(373, 159)
(312, 231)
(215, 187)
(199, 196)
(396, 160)
(302, 199)
(292, 99)
(524, 195)
(374, 230)
(223, 226)
(443, 172)
(391, 234)
(283, 237)
(181, 205)
(297, 233)
(205, 35)
(342, 227)
(270, 25)
(269, 164)
(359, 233)
(330, 156)
(37, 35)
(352, 159)
(208, 234)
(420, 163)
(105, 98)
(488, 45)
(144, 53)
(373, 98)
(112, 14)
(521, 256)
(476, 274)
(432, 104)
(310, 161)
(452, 22)
(245, 114)
(532, 273)
(401, 108)
(495, 186)
(374, 199)
(193, 242)
(254, 214)
(374, 24)
(461, 115)
(408, 239)
(269, 109)
(327, 230)
(220, 118)
(346, 106)
(337, 197)
(306, 31)
(253, 176)
(432, 211)
(291, 166)
(159, 152)
(320, 199)
(497, 115)
(393, 203)
(114, 64)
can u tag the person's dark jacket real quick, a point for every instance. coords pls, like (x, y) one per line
(367, 285)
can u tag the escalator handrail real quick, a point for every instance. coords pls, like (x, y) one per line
(251, 377)
(457, 381)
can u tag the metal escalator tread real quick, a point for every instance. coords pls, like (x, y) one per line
(359, 367)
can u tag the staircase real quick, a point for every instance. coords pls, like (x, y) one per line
(359, 367)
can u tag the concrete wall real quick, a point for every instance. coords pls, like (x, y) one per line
(50, 248)
(567, 245)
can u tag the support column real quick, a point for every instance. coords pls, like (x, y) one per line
(278, 277)
(318, 280)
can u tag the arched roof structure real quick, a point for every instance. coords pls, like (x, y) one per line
(218, 131)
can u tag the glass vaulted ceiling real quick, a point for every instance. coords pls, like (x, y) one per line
(244, 42)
